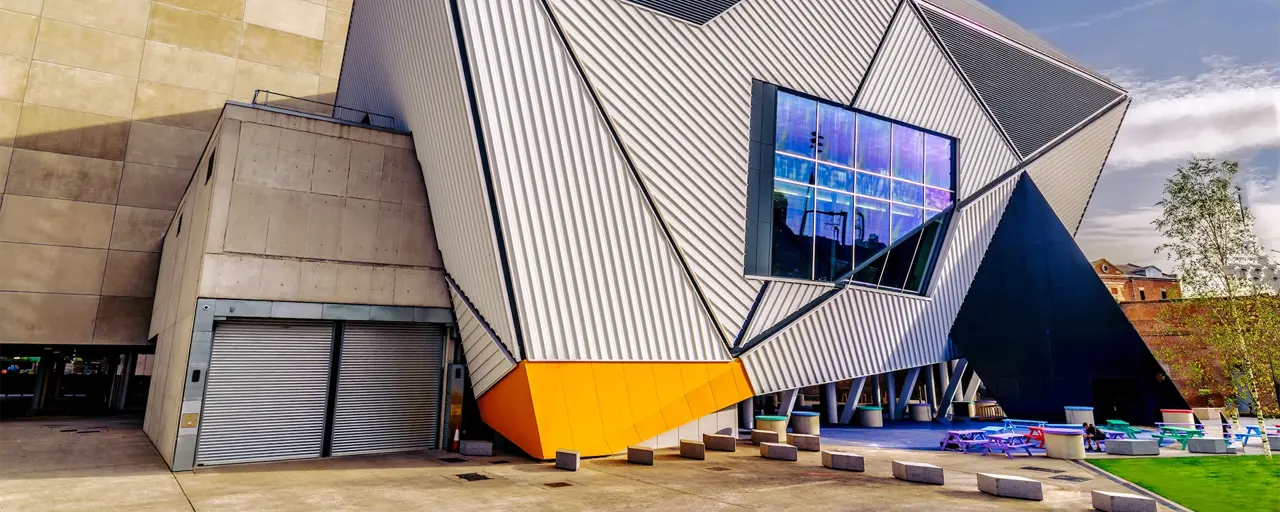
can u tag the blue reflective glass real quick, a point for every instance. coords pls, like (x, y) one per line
(909, 193)
(797, 124)
(872, 185)
(834, 222)
(905, 219)
(870, 227)
(937, 161)
(936, 199)
(873, 144)
(792, 230)
(835, 135)
(835, 177)
(792, 168)
(908, 153)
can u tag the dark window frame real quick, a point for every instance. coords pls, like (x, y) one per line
(758, 259)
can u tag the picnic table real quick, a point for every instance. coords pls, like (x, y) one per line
(1036, 433)
(963, 439)
(1179, 434)
(1123, 426)
(1007, 443)
(1012, 425)
(1249, 431)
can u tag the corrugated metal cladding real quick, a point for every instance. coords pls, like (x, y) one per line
(983, 16)
(913, 81)
(864, 332)
(1067, 174)
(486, 361)
(1033, 99)
(401, 60)
(388, 388)
(680, 98)
(781, 299)
(595, 277)
(692, 11)
(266, 391)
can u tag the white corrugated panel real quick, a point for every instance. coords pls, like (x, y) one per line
(680, 98)
(594, 275)
(1067, 174)
(266, 391)
(864, 332)
(913, 81)
(401, 60)
(981, 15)
(781, 299)
(389, 379)
(487, 363)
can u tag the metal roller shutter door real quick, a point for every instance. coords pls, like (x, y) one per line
(266, 389)
(388, 388)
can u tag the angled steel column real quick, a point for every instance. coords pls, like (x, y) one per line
(788, 402)
(875, 391)
(930, 389)
(904, 395)
(953, 384)
(830, 402)
(851, 403)
(893, 396)
(972, 390)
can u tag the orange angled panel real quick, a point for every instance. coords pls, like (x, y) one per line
(508, 408)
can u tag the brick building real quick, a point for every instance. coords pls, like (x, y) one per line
(1136, 283)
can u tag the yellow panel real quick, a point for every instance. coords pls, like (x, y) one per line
(548, 401)
(615, 405)
(508, 408)
(671, 395)
(723, 386)
(740, 378)
(698, 389)
(641, 390)
(583, 404)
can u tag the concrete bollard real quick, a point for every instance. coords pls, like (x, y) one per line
(779, 451)
(1009, 486)
(1132, 447)
(568, 460)
(720, 442)
(843, 461)
(1121, 502)
(917, 472)
(1208, 445)
(765, 436)
(640, 455)
(806, 442)
(691, 449)
(475, 448)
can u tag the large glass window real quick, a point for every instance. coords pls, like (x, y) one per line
(856, 196)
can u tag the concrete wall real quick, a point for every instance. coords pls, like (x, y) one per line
(289, 208)
(105, 107)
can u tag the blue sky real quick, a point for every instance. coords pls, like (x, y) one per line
(1205, 78)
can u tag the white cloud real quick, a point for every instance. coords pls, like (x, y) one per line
(1229, 108)
(1263, 198)
(1123, 237)
(1100, 18)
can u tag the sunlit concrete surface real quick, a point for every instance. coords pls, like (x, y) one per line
(44, 468)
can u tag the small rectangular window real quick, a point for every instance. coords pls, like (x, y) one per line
(1164, 294)
(1142, 294)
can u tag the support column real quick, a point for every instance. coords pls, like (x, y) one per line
(788, 402)
(831, 402)
(944, 372)
(875, 390)
(850, 405)
(930, 394)
(893, 395)
(904, 396)
(971, 391)
(953, 384)
(747, 413)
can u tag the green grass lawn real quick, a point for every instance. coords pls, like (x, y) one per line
(1205, 484)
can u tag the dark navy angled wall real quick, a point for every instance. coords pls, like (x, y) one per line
(1043, 332)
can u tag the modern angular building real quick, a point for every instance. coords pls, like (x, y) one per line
(599, 223)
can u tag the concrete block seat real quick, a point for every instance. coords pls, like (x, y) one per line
(779, 451)
(568, 460)
(1107, 501)
(765, 436)
(775, 423)
(806, 442)
(918, 472)
(920, 412)
(843, 461)
(475, 448)
(691, 449)
(640, 455)
(870, 416)
(720, 442)
(1008, 486)
(1208, 445)
(805, 422)
(1132, 447)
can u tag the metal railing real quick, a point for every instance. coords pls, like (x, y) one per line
(309, 106)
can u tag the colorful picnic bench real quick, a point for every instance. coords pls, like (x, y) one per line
(1007, 443)
(1179, 434)
(1249, 431)
(963, 439)
(1012, 425)
(1123, 426)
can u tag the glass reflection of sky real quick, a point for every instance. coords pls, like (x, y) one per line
(835, 126)
(799, 201)
(873, 144)
(797, 120)
(834, 177)
(937, 161)
(905, 219)
(834, 216)
(791, 168)
(874, 219)
(872, 185)
(909, 193)
(936, 199)
(908, 153)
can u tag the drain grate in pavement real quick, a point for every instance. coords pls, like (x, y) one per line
(499, 462)
(472, 477)
(1069, 478)
(557, 485)
(453, 460)
(717, 468)
(88, 431)
(1042, 470)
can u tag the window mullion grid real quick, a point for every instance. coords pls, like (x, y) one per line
(813, 192)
